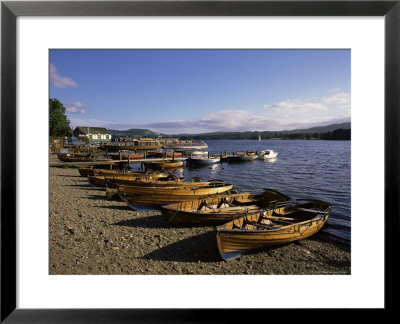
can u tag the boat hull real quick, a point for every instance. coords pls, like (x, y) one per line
(268, 156)
(66, 158)
(220, 209)
(163, 164)
(144, 179)
(202, 161)
(233, 241)
(127, 156)
(85, 172)
(159, 196)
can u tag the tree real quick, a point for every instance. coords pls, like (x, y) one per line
(58, 121)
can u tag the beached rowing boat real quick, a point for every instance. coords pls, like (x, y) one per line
(85, 172)
(221, 209)
(271, 227)
(112, 180)
(70, 158)
(152, 197)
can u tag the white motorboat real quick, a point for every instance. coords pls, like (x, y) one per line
(198, 153)
(267, 154)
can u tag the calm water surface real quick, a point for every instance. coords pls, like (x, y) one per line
(303, 169)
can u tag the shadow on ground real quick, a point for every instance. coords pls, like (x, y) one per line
(124, 207)
(85, 186)
(96, 197)
(154, 221)
(201, 248)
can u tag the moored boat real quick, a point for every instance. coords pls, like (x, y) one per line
(133, 144)
(126, 155)
(165, 164)
(199, 161)
(242, 157)
(267, 154)
(198, 153)
(221, 209)
(271, 227)
(184, 145)
(164, 154)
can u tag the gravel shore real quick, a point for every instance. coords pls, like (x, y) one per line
(90, 234)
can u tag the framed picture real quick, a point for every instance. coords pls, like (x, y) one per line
(181, 30)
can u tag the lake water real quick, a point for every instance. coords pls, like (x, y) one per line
(303, 169)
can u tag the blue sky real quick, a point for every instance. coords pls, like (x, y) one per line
(197, 91)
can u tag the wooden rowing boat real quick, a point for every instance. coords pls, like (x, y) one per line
(166, 164)
(169, 181)
(152, 197)
(221, 209)
(85, 172)
(271, 227)
(111, 181)
(69, 158)
(134, 178)
(126, 156)
(165, 154)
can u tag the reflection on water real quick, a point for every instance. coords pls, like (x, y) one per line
(270, 160)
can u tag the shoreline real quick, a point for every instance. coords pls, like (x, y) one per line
(89, 234)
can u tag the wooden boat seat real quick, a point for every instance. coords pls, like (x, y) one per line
(224, 201)
(243, 201)
(235, 209)
(204, 204)
(247, 222)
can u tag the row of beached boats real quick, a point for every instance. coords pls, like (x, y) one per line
(244, 221)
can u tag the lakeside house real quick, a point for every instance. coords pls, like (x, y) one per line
(92, 134)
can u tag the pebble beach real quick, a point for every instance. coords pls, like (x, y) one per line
(92, 233)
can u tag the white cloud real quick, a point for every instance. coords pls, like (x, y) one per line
(60, 81)
(71, 109)
(76, 107)
(290, 106)
(342, 98)
(225, 121)
(285, 115)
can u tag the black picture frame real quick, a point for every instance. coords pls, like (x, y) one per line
(10, 10)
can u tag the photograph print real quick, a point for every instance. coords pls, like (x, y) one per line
(199, 161)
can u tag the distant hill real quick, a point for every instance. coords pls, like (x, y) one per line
(134, 133)
(319, 132)
(320, 129)
(309, 133)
